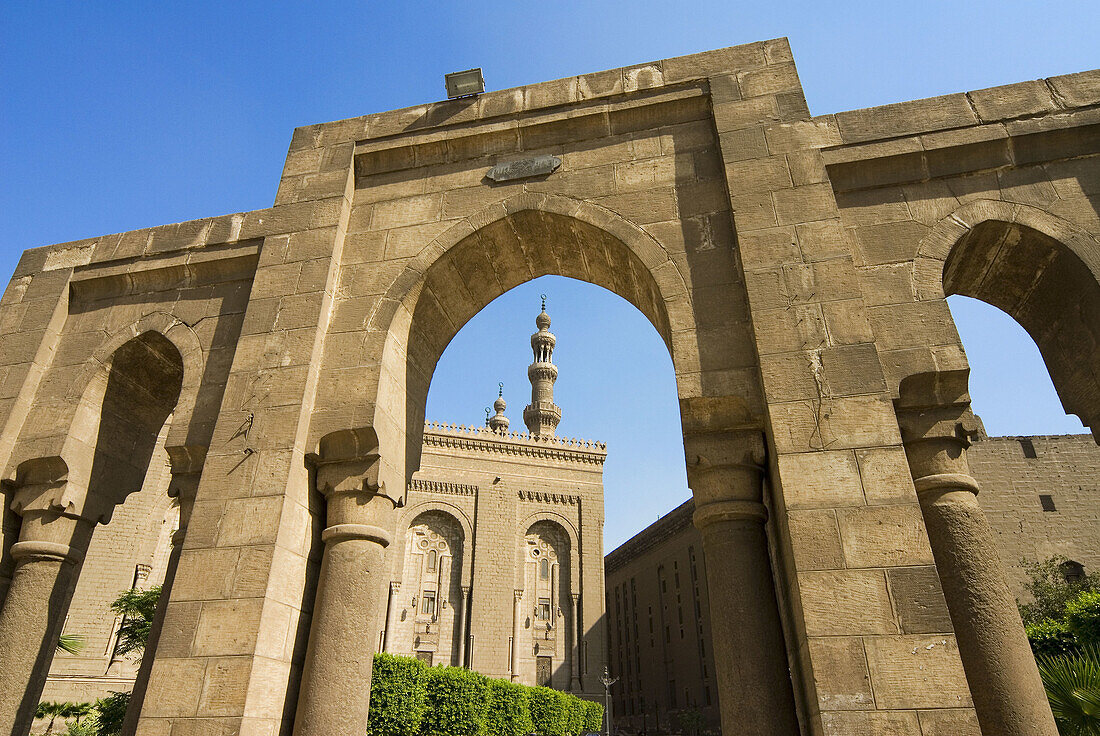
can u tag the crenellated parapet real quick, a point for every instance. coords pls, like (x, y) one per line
(572, 449)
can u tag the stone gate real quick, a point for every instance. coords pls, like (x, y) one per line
(796, 268)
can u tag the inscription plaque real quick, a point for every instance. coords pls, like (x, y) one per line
(537, 166)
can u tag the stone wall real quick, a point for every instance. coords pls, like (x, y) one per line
(1013, 472)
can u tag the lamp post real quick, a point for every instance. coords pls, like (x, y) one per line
(607, 681)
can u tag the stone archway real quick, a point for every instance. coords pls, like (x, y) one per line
(116, 423)
(1044, 273)
(434, 295)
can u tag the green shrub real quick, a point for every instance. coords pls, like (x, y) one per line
(593, 716)
(456, 702)
(549, 711)
(575, 721)
(1083, 618)
(396, 696)
(1050, 638)
(110, 712)
(1050, 590)
(509, 710)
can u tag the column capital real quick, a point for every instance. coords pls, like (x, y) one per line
(346, 467)
(936, 439)
(726, 466)
(42, 485)
(395, 587)
(518, 595)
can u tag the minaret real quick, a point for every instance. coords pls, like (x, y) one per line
(542, 415)
(498, 422)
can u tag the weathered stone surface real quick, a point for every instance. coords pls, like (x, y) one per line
(795, 266)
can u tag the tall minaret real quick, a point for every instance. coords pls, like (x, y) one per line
(542, 415)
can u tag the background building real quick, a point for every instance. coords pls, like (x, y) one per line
(1040, 494)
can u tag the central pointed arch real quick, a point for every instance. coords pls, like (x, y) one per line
(499, 248)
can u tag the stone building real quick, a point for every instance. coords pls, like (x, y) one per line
(795, 266)
(1040, 494)
(499, 535)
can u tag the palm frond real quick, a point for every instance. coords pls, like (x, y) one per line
(70, 643)
(1072, 683)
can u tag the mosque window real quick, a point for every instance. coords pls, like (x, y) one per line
(428, 603)
(433, 558)
(544, 609)
(1047, 502)
(544, 568)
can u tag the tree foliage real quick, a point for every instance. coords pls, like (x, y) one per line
(63, 710)
(1082, 617)
(1050, 591)
(137, 608)
(110, 712)
(1050, 638)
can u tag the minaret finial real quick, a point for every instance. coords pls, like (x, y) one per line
(498, 422)
(542, 415)
(488, 411)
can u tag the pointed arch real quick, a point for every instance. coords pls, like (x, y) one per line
(1039, 269)
(519, 239)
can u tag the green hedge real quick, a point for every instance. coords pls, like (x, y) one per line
(1050, 638)
(409, 699)
(593, 716)
(457, 700)
(397, 696)
(549, 711)
(509, 710)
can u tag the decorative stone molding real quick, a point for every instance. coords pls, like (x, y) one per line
(546, 497)
(438, 486)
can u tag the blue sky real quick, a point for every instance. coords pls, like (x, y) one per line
(115, 116)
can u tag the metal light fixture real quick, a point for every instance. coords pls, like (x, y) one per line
(465, 84)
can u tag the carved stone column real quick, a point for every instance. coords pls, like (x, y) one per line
(350, 602)
(725, 472)
(53, 539)
(391, 617)
(462, 615)
(575, 644)
(187, 465)
(1008, 695)
(517, 632)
